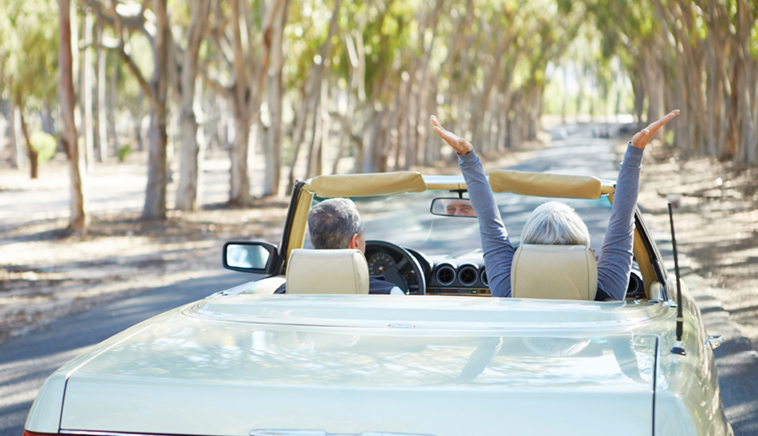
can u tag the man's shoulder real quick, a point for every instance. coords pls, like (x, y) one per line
(378, 285)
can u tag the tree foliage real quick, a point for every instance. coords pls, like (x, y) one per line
(29, 51)
(350, 85)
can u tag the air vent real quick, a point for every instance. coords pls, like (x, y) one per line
(485, 280)
(467, 275)
(445, 275)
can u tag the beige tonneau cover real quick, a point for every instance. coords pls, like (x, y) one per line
(366, 185)
(548, 185)
(517, 182)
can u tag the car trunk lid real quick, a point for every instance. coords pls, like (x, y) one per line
(441, 366)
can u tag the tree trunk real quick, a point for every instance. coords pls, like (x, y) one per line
(187, 190)
(100, 102)
(420, 126)
(314, 149)
(48, 121)
(157, 171)
(347, 118)
(483, 100)
(240, 181)
(31, 153)
(273, 154)
(431, 143)
(744, 26)
(313, 90)
(78, 220)
(325, 127)
(88, 76)
(4, 123)
(247, 94)
(112, 104)
(138, 122)
(19, 155)
(298, 136)
(374, 149)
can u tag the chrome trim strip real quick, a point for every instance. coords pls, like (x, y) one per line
(104, 433)
(323, 433)
(252, 433)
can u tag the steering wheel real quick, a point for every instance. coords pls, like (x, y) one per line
(394, 271)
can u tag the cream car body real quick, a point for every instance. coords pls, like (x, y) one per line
(246, 362)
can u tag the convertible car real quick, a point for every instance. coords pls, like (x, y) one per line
(327, 358)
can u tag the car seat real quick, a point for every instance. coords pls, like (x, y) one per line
(327, 272)
(565, 272)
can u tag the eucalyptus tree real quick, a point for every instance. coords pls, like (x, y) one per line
(26, 41)
(189, 174)
(312, 52)
(243, 46)
(79, 219)
(697, 54)
(126, 20)
(273, 141)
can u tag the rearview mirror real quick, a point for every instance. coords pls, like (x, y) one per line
(453, 206)
(253, 257)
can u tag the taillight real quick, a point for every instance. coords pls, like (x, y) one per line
(29, 433)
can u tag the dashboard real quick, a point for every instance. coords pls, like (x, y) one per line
(418, 274)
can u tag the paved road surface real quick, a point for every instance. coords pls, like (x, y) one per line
(26, 361)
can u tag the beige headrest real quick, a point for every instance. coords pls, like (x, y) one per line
(327, 272)
(560, 272)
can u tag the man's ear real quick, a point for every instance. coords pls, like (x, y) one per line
(353, 241)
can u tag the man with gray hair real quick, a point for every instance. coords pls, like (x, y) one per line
(336, 224)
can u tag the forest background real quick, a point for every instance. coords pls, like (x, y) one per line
(301, 88)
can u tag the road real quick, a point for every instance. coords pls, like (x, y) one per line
(27, 360)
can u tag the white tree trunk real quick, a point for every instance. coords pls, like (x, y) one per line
(17, 145)
(112, 128)
(102, 123)
(157, 173)
(88, 82)
(79, 218)
(240, 181)
(273, 149)
(188, 190)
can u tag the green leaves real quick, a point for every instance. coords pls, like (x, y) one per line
(29, 50)
(44, 144)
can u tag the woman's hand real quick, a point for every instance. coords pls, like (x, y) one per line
(460, 145)
(641, 138)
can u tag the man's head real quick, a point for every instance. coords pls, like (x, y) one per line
(459, 207)
(334, 224)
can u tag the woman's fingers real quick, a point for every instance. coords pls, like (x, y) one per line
(641, 138)
(659, 123)
(460, 145)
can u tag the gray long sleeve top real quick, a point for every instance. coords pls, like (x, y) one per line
(615, 262)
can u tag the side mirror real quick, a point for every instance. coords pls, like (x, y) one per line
(252, 257)
(453, 206)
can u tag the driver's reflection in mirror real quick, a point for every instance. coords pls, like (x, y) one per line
(453, 207)
(459, 208)
(336, 224)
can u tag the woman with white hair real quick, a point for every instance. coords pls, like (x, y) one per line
(555, 223)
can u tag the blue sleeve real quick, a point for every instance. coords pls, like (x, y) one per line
(498, 251)
(615, 262)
